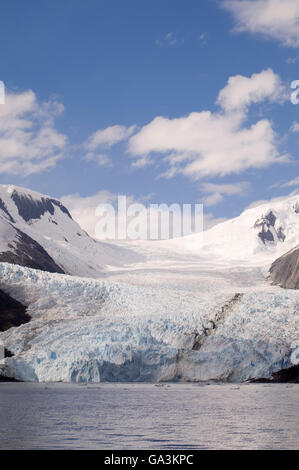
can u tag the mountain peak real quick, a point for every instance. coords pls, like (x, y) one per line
(38, 231)
(30, 204)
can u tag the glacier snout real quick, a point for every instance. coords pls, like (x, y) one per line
(84, 330)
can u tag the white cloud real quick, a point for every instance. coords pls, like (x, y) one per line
(100, 158)
(29, 142)
(169, 39)
(295, 127)
(240, 92)
(287, 184)
(216, 192)
(108, 137)
(276, 19)
(209, 144)
(293, 182)
(212, 199)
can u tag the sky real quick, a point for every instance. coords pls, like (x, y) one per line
(165, 101)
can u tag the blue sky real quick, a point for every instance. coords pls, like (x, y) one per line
(73, 69)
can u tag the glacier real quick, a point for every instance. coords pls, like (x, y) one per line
(133, 327)
(198, 308)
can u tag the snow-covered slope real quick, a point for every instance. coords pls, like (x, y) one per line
(91, 330)
(260, 234)
(257, 237)
(47, 222)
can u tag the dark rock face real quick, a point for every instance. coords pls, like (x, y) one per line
(290, 375)
(7, 379)
(267, 228)
(266, 235)
(61, 207)
(12, 313)
(27, 252)
(284, 271)
(265, 224)
(4, 209)
(33, 209)
(280, 234)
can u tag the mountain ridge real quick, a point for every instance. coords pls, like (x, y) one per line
(38, 231)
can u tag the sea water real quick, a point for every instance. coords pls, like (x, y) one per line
(149, 416)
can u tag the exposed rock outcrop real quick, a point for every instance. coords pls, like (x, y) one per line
(284, 272)
(268, 231)
(12, 313)
(290, 375)
(220, 316)
(27, 252)
(30, 209)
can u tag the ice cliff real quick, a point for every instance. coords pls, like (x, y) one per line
(84, 330)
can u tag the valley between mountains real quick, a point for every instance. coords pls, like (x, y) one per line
(75, 309)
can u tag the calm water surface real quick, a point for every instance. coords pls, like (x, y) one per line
(175, 416)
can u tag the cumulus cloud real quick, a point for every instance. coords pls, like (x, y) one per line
(240, 92)
(216, 192)
(29, 142)
(276, 19)
(108, 137)
(207, 144)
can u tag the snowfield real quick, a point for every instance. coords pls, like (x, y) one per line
(85, 330)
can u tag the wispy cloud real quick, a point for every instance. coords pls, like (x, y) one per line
(295, 127)
(203, 37)
(293, 60)
(105, 139)
(170, 39)
(286, 184)
(100, 158)
(217, 192)
(109, 136)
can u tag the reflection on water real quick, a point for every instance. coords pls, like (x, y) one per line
(174, 416)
